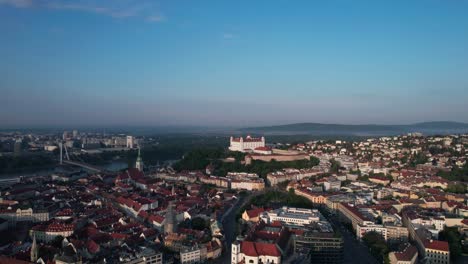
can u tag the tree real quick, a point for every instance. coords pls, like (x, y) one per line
(57, 242)
(199, 223)
(456, 188)
(377, 245)
(314, 161)
(283, 185)
(456, 174)
(335, 166)
(451, 235)
(419, 158)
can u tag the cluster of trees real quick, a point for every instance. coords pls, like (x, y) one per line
(419, 158)
(335, 166)
(456, 188)
(434, 150)
(377, 245)
(453, 237)
(262, 168)
(456, 174)
(198, 159)
(168, 147)
(150, 155)
(196, 223)
(274, 198)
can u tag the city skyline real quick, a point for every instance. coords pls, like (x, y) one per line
(213, 63)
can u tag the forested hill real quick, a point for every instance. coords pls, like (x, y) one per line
(440, 127)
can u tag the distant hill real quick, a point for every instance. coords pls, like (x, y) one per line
(428, 128)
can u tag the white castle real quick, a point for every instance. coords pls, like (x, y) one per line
(247, 144)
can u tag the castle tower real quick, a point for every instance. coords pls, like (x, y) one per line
(139, 162)
(34, 250)
(170, 223)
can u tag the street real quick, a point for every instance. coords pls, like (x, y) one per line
(229, 227)
(354, 251)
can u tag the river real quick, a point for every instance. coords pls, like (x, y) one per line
(115, 165)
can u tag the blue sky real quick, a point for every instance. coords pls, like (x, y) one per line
(232, 63)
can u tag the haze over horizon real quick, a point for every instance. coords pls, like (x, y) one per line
(243, 63)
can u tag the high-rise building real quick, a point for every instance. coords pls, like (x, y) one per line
(320, 244)
(320, 247)
(75, 133)
(130, 141)
(17, 147)
(65, 135)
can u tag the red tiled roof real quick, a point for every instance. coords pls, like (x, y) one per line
(92, 247)
(255, 212)
(263, 148)
(248, 248)
(10, 260)
(255, 249)
(265, 249)
(354, 211)
(156, 218)
(54, 227)
(380, 178)
(65, 212)
(407, 254)
(465, 222)
(437, 245)
(119, 236)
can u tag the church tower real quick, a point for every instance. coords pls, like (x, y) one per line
(139, 162)
(34, 250)
(235, 252)
(170, 222)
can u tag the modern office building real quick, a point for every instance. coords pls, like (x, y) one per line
(291, 216)
(320, 244)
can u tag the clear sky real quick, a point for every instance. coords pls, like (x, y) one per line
(235, 63)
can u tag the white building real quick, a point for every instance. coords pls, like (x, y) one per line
(361, 230)
(292, 216)
(254, 253)
(245, 181)
(130, 142)
(190, 255)
(436, 252)
(18, 215)
(49, 232)
(247, 144)
(332, 183)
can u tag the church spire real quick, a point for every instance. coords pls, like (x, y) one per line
(34, 250)
(139, 162)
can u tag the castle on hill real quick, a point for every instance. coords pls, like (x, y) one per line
(249, 144)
